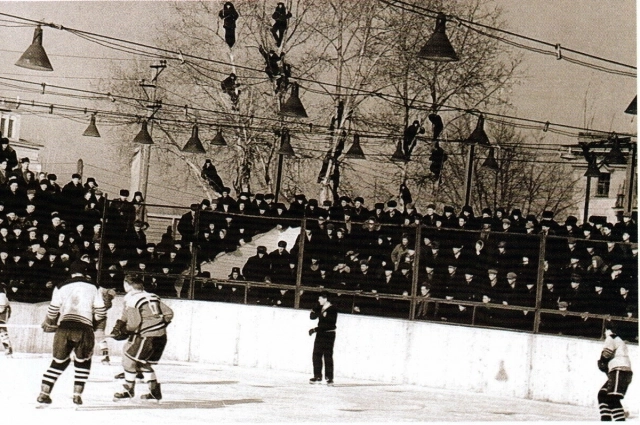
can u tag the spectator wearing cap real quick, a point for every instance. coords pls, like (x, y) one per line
(448, 289)
(517, 221)
(470, 219)
(491, 290)
(429, 217)
(503, 258)
(7, 152)
(139, 207)
(570, 228)
(298, 206)
(612, 254)
(37, 275)
(15, 198)
(90, 185)
(211, 176)
(279, 263)
(547, 223)
(362, 279)
(120, 217)
(359, 212)
(469, 290)
(187, 224)
(72, 198)
(311, 209)
(257, 267)
(401, 251)
(378, 212)
(576, 294)
(449, 219)
(4, 171)
(226, 199)
(53, 183)
(517, 294)
(425, 307)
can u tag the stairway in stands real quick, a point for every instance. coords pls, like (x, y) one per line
(221, 267)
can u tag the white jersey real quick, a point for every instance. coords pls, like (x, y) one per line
(616, 350)
(78, 301)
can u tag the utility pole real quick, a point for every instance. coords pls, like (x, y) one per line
(141, 161)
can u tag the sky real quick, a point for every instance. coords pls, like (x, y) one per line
(548, 90)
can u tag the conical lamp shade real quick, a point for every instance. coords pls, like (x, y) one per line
(35, 57)
(478, 135)
(218, 140)
(92, 130)
(194, 145)
(398, 155)
(633, 107)
(143, 137)
(355, 151)
(285, 144)
(293, 106)
(438, 47)
(491, 162)
(592, 170)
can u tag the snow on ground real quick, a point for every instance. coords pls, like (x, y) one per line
(197, 393)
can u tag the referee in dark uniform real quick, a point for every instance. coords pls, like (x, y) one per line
(327, 315)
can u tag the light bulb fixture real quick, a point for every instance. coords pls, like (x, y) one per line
(355, 151)
(491, 163)
(218, 140)
(478, 136)
(438, 47)
(143, 137)
(194, 145)
(35, 57)
(615, 155)
(92, 130)
(285, 144)
(293, 106)
(398, 155)
(632, 109)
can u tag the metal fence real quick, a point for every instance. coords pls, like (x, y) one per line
(419, 297)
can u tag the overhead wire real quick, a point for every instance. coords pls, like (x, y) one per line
(430, 13)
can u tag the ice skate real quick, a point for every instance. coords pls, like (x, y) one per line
(155, 393)
(106, 361)
(330, 382)
(77, 399)
(44, 398)
(315, 380)
(8, 352)
(128, 393)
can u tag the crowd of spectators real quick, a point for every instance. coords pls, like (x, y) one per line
(461, 258)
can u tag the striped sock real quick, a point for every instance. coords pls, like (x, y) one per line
(82, 369)
(605, 412)
(617, 414)
(55, 370)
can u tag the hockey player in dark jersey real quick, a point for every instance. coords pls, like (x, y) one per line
(75, 306)
(614, 361)
(143, 323)
(327, 316)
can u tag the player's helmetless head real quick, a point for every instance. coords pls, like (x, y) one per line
(323, 298)
(133, 282)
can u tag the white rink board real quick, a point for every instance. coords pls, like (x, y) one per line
(388, 351)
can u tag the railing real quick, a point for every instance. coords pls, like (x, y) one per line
(412, 306)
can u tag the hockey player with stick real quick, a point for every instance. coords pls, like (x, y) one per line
(5, 313)
(614, 361)
(327, 315)
(143, 324)
(75, 306)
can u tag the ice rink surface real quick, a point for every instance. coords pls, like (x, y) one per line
(198, 394)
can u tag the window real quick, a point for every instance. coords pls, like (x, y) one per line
(604, 180)
(10, 130)
(3, 123)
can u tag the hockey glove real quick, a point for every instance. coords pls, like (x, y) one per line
(49, 325)
(603, 364)
(312, 331)
(119, 331)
